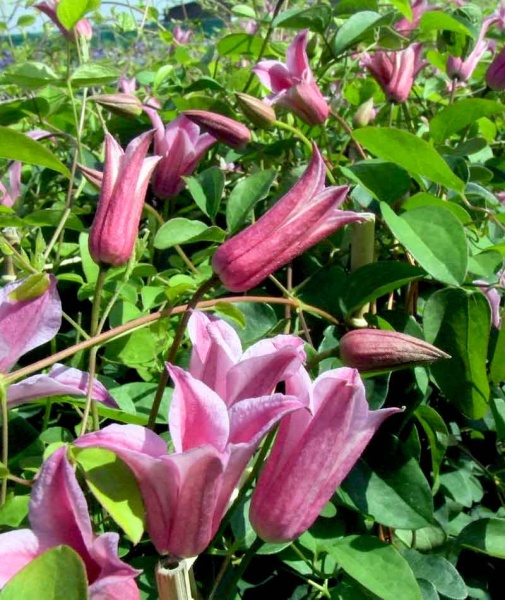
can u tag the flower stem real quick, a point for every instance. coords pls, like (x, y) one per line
(179, 334)
(5, 439)
(230, 590)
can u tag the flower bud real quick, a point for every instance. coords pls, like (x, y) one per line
(258, 112)
(365, 113)
(124, 105)
(377, 349)
(224, 129)
(495, 75)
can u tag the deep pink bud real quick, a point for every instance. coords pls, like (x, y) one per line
(82, 28)
(495, 75)
(124, 184)
(377, 349)
(126, 105)
(395, 72)
(224, 129)
(293, 84)
(303, 217)
(313, 452)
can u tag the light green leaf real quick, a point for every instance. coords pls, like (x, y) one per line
(315, 18)
(425, 199)
(377, 566)
(437, 433)
(236, 45)
(356, 27)
(30, 75)
(114, 486)
(404, 7)
(57, 574)
(459, 322)
(484, 535)
(445, 260)
(93, 74)
(245, 195)
(439, 20)
(181, 231)
(18, 146)
(69, 12)
(462, 113)
(410, 152)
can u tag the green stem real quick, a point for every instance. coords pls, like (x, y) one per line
(230, 590)
(95, 315)
(5, 439)
(350, 133)
(179, 334)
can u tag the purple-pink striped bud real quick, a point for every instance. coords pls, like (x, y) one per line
(495, 75)
(224, 129)
(124, 183)
(124, 105)
(377, 349)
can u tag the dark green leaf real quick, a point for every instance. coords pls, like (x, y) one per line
(497, 368)
(386, 181)
(410, 152)
(485, 535)
(437, 434)
(438, 571)
(245, 195)
(458, 322)
(316, 18)
(93, 74)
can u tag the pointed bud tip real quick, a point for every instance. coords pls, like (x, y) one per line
(223, 128)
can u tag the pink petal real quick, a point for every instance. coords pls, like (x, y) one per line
(274, 75)
(198, 416)
(17, 549)
(296, 56)
(60, 381)
(24, 325)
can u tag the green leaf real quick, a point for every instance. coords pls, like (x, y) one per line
(484, 535)
(425, 199)
(447, 259)
(404, 7)
(389, 485)
(14, 511)
(410, 152)
(438, 571)
(114, 486)
(458, 322)
(374, 280)
(462, 113)
(18, 146)
(57, 574)
(356, 27)
(436, 432)
(182, 231)
(439, 21)
(497, 368)
(89, 266)
(207, 190)
(378, 566)
(51, 218)
(69, 12)
(236, 45)
(93, 74)
(498, 410)
(316, 18)
(245, 195)
(30, 75)
(384, 180)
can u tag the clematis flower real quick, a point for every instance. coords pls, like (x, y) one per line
(494, 299)
(127, 85)
(293, 84)
(58, 515)
(181, 146)
(313, 452)
(218, 361)
(82, 28)
(495, 75)
(186, 493)
(303, 217)
(25, 324)
(182, 36)
(396, 71)
(406, 26)
(123, 189)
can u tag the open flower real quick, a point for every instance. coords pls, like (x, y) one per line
(304, 216)
(186, 493)
(495, 75)
(28, 321)
(82, 28)
(293, 84)
(217, 359)
(181, 146)
(58, 515)
(406, 26)
(123, 189)
(313, 452)
(395, 71)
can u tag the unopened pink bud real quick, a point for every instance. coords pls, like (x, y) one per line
(495, 75)
(125, 105)
(365, 113)
(258, 112)
(224, 129)
(377, 349)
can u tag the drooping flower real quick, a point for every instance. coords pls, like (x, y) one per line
(186, 493)
(374, 349)
(406, 26)
(293, 84)
(495, 75)
(58, 515)
(396, 71)
(313, 452)
(218, 361)
(124, 183)
(303, 217)
(30, 315)
(82, 28)
(494, 299)
(181, 146)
